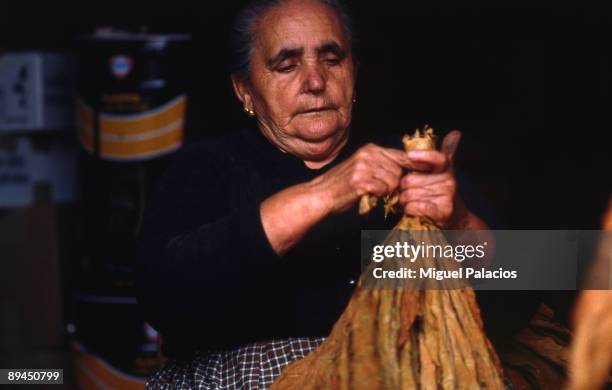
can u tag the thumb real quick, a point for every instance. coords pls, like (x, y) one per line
(450, 144)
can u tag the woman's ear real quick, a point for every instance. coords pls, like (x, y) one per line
(241, 90)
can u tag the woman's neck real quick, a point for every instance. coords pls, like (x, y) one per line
(313, 164)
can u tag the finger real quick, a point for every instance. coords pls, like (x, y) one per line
(391, 159)
(388, 164)
(373, 187)
(421, 209)
(450, 144)
(391, 180)
(374, 164)
(421, 194)
(414, 181)
(437, 161)
(401, 158)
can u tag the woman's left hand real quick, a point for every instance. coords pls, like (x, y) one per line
(431, 190)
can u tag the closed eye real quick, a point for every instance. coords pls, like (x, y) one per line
(286, 68)
(332, 61)
(331, 53)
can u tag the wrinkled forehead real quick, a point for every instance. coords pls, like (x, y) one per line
(302, 25)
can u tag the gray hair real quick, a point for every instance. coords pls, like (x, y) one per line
(243, 32)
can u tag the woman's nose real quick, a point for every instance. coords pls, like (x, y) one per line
(314, 79)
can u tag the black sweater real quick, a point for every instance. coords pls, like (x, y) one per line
(207, 275)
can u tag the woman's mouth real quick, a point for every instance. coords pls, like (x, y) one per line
(316, 110)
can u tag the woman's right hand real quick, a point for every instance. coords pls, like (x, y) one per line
(370, 170)
(287, 216)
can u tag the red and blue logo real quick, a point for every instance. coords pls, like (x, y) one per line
(120, 66)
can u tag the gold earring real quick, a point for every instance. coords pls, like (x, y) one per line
(249, 111)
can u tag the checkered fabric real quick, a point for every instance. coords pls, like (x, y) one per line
(252, 367)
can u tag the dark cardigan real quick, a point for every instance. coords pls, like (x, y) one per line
(207, 276)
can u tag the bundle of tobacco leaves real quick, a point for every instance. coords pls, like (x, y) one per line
(591, 350)
(402, 333)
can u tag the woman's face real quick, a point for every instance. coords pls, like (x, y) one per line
(301, 80)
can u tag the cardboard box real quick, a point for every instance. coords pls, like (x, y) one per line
(36, 91)
(29, 164)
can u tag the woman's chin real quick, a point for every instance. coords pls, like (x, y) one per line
(321, 146)
(319, 129)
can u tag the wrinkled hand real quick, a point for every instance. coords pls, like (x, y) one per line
(430, 189)
(370, 170)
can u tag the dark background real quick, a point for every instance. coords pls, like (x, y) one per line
(528, 86)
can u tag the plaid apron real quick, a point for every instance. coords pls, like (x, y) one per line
(251, 367)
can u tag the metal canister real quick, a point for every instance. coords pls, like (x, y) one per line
(132, 100)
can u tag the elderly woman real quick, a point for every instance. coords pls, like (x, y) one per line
(250, 248)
